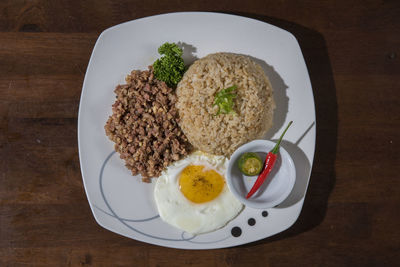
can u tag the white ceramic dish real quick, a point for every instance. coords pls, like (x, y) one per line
(275, 189)
(125, 205)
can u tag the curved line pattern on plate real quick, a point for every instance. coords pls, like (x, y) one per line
(124, 220)
(203, 242)
(128, 220)
(113, 214)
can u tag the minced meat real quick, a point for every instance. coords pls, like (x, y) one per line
(144, 125)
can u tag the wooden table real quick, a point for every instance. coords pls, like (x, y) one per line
(351, 213)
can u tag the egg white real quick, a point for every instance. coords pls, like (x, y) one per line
(195, 218)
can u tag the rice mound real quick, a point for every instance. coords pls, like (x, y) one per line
(254, 104)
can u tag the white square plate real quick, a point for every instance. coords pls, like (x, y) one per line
(125, 205)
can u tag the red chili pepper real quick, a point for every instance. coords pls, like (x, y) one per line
(268, 164)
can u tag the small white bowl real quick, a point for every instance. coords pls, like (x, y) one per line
(275, 189)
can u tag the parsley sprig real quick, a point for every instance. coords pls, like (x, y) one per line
(170, 67)
(224, 100)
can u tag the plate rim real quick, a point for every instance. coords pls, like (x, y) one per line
(79, 121)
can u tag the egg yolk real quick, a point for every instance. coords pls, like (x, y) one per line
(200, 185)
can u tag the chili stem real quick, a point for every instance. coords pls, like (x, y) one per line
(276, 147)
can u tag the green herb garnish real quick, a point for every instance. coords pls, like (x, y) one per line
(170, 67)
(224, 100)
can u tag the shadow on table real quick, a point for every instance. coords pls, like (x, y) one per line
(322, 178)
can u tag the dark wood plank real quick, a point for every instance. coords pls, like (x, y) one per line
(350, 213)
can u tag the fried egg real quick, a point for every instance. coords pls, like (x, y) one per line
(192, 194)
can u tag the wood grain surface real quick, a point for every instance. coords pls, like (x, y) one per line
(351, 213)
